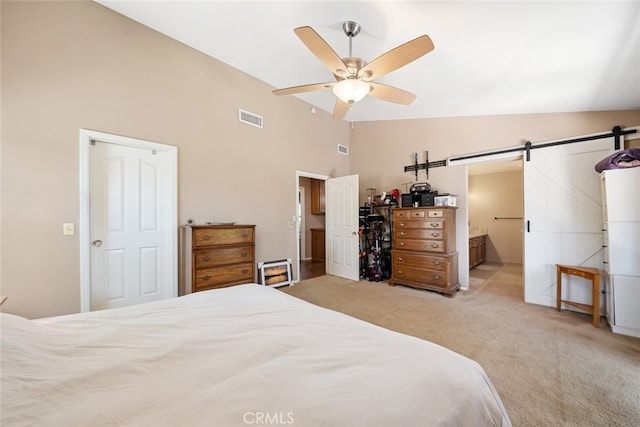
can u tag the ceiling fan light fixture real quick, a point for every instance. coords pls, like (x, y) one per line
(351, 90)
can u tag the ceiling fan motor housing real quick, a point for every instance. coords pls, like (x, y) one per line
(353, 66)
(350, 28)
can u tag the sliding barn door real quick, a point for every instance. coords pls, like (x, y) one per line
(563, 218)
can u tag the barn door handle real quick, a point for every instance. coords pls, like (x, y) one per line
(528, 227)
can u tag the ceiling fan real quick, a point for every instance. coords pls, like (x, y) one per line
(354, 77)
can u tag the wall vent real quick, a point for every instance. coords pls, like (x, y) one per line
(250, 118)
(343, 149)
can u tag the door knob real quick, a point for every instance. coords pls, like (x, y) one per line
(97, 243)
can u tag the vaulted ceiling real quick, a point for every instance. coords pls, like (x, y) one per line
(490, 57)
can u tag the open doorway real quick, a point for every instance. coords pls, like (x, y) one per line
(311, 226)
(495, 202)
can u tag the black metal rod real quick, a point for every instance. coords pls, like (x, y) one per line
(474, 156)
(507, 217)
(616, 133)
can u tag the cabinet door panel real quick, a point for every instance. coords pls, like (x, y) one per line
(626, 294)
(622, 247)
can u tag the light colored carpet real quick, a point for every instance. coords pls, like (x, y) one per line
(550, 368)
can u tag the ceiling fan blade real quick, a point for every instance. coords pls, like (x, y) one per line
(321, 49)
(391, 94)
(396, 58)
(302, 89)
(340, 110)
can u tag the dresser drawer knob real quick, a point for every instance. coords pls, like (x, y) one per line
(401, 224)
(435, 224)
(402, 233)
(245, 235)
(436, 263)
(400, 258)
(435, 234)
(400, 272)
(207, 277)
(401, 243)
(206, 258)
(436, 277)
(435, 245)
(206, 237)
(245, 271)
(244, 254)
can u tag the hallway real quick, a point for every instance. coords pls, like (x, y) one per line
(310, 269)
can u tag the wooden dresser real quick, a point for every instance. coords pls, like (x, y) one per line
(217, 256)
(424, 249)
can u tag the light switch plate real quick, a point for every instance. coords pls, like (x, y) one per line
(68, 229)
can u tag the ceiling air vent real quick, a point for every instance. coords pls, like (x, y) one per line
(250, 118)
(343, 149)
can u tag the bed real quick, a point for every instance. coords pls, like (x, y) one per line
(244, 355)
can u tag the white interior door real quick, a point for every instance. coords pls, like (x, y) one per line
(131, 226)
(341, 226)
(563, 218)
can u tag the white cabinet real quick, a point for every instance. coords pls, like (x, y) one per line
(621, 227)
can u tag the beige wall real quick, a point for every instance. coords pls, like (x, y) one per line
(499, 195)
(72, 65)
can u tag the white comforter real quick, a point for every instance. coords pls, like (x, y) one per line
(245, 355)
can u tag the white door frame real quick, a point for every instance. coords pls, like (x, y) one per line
(301, 174)
(302, 253)
(84, 230)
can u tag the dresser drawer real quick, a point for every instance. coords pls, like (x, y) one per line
(438, 278)
(223, 236)
(435, 213)
(223, 276)
(421, 245)
(215, 257)
(399, 214)
(419, 233)
(408, 259)
(403, 224)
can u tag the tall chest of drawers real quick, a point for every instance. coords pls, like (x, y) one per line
(621, 235)
(424, 249)
(217, 256)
